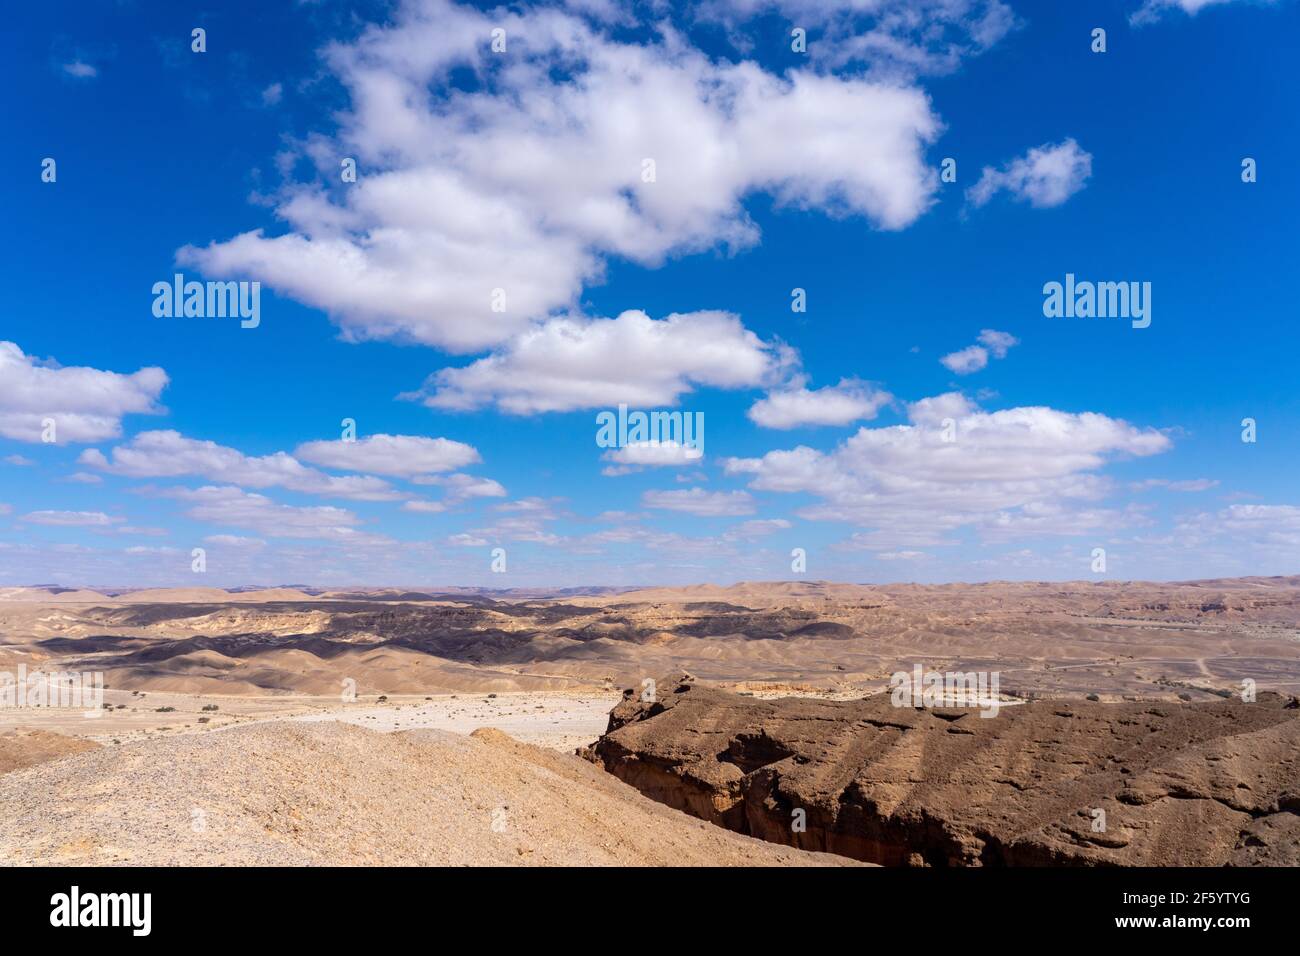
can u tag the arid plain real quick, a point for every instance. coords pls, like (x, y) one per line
(469, 706)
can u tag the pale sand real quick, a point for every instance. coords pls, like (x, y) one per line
(328, 793)
(558, 721)
(551, 719)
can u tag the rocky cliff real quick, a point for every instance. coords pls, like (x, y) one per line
(1043, 783)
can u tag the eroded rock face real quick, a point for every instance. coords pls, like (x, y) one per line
(1049, 782)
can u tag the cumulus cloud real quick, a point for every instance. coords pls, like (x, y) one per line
(1153, 10)
(463, 540)
(86, 404)
(654, 454)
(71, 519)
(169, 454)
(401, 456)
(756, 528)
(234, 507)
(81, 70)
(796, 406)
(900, 38)
(1255, 530)
(914, 487)
(477, 212)
(570, 363)
(1046, 176)
(975, 357)
(460, 488)
(235, 541)
(19, 461)
(997, 342)
(967, 360)
(524, 520)
(701, 503)
(1187, 485)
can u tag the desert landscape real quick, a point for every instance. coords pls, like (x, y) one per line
(744, 725)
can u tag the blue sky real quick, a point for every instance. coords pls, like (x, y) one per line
(523, 170)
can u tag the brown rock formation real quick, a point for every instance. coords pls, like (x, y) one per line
(1179, 784)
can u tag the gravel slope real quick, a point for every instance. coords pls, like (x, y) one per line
(284, 793)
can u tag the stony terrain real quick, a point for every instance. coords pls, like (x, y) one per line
(1172, 784)
(1111, 638)
(282, 793)
(20, 749)
(330, 726)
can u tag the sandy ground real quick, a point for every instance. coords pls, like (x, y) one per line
(558, 721)
(550, 719)
(329, 793)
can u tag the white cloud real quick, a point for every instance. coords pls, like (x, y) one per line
(797, 406)
(529, 182)
(86, 404)
(1267, 528)
(525, 520)
(168, 454)
(84, 478)
(460, 488)
(240, 509)
(567, 364)
(756, 528)
(997, 342)
(1046, 176)
(1188, 485)
(653, 454)
(975, 357)
(402, 456)
(132, 529)
(466, 541)
(71, 519)
(913, 487)
(272, 95)
(81, 70)
(19, 461)
(701, 503)
(967, 360)
(893, 37)
(1153, 10)
(235, 541)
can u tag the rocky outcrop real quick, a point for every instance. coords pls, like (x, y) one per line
(1043, 783)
